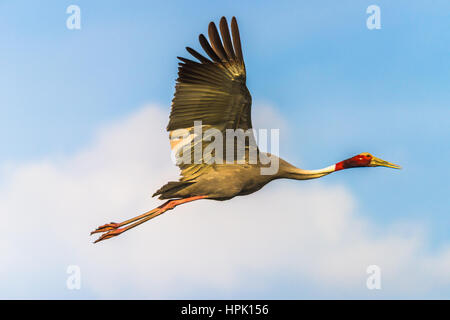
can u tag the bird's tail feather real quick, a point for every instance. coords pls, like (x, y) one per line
(170, 189)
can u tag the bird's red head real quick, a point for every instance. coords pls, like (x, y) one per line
(364, 159)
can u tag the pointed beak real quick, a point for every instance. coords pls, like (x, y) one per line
(377, 162)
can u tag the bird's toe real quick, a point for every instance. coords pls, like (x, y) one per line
(106, 227)
(109, 234)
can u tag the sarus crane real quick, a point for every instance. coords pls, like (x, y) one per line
(214, 92)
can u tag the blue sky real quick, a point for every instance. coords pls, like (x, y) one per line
(343, 89)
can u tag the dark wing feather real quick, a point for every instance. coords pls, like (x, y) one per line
(209, 51)
(228, 46)
(216, 42)
(196, 55)
(236, 40)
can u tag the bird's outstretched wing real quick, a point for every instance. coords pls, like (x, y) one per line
(212, 91)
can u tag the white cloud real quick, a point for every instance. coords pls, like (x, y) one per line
(289, 240)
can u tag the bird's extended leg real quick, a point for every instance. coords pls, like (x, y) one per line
(114, 229)
(114, 225)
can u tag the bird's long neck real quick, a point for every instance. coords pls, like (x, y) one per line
(292, 172)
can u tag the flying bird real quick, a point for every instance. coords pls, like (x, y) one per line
(213, 90)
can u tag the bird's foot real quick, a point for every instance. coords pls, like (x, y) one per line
(110, 234)
(106, 227)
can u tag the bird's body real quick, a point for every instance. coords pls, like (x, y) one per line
(225, 181)
(211, 96)
(221, 182)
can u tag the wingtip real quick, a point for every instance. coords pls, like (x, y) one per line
(234, 23)
(212, 29)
